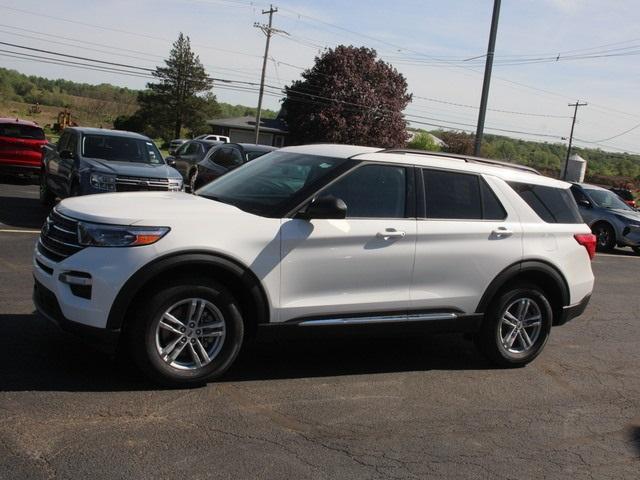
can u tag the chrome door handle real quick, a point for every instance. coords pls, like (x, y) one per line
(390, 233)
(501, 232)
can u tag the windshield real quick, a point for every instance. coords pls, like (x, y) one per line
(120, 149)
(607, 199)
(265, 185)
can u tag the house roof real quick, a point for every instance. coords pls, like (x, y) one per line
(270, 125)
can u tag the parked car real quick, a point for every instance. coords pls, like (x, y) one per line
(21, 143)
(313, 236)
(93, 160)
(610, 218)
(626, 195)
(215, 138)
(175, 144)
(189, 154)
(224, 159)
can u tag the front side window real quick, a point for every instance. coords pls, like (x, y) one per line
(120, 149)
(192, 149)
(372, 191)
(253, 154)
(553, 205)
(270, 186)
(182, 150)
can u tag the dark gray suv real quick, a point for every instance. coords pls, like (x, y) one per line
(611, 220)
(94, 160)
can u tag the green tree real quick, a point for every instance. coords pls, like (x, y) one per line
(177, 100)
(424, 141)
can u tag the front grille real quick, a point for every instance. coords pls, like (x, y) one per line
(140, 184)
(59, 237)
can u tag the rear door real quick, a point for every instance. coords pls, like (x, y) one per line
(466, 235)
(361, 265)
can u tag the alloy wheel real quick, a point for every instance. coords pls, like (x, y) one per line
(520, 325)
(190, 334)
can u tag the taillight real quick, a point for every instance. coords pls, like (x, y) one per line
(588, 241)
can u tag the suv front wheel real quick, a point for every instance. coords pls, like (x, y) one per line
(187, 333)
(516, 326)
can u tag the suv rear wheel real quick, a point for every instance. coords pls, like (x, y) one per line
(186, 334)
(516, 326)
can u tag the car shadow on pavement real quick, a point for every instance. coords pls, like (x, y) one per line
(634, 435)
(36, 356)
(22, 212)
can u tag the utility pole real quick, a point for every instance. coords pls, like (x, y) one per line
(573, 124)
(268, 30)
(487, 76)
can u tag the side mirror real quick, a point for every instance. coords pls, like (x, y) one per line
(327, 207)
(584, 203)
(171, 162)
(67, 155)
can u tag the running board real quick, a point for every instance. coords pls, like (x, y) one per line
(413, 317)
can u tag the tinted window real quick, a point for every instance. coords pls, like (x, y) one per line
(251, 155)
(606, 199)
(15, 130)
(553, 205)
(492, 209)
(452, 195)
(183, 149)
(192, 149)
(372, 191)
(578, 195)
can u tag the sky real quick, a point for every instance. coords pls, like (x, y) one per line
(540, 63)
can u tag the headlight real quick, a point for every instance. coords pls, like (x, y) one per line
(175, 184)
(96, 235)
(103, 181)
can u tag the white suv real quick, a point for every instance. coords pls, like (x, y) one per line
(315, 236)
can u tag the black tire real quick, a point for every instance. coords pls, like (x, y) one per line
(47, 198)
(147, 315)
(490, 338)
(605, 237)
(193, 176)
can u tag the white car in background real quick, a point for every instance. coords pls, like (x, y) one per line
(315, 236)
(216, 138)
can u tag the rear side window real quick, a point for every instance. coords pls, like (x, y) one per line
(553, 205)
(460, 196)
(15, 130)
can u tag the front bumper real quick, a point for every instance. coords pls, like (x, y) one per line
(47, 305)
(572, 311)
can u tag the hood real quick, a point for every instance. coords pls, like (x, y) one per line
(145, 208)
(132, 169)
(628, 214)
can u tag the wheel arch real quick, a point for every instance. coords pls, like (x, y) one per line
(243, 283)
(540, 272)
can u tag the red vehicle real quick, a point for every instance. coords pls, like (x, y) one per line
(21, 144)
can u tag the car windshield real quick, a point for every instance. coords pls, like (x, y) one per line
(607, 199)
(121, 149)
(16, 130)
(265, 185)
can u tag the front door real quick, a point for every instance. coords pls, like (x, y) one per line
(361, 265)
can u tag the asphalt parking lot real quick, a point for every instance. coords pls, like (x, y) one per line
(402, 407)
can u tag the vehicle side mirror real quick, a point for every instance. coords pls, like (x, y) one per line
(171, 162)
(584, 203)
(67, 155)
(327, 207)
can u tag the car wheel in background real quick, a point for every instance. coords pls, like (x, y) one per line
(516, 326)
(605, 237)
(186, 333)
(47, 198)
(193, 176)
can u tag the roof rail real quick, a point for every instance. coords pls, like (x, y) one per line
(466, 158)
